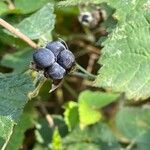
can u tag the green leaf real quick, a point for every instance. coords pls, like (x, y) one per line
(18, 61)
(77, 2)
(45, 38)
(13, 97)
(109, 23)
(96, 137)
(124, 10)
(3, 8)
(44, 133)
(133, 122)
(23, 5)
(143, 141)
(126, 53)
(90, 104)
(71, 115)
(10, 40)
(26, 121)
(38, 23)
(56, 141)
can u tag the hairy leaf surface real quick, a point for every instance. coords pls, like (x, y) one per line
(126, 54)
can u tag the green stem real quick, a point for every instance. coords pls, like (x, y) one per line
(86, 72)
(130, 146)
(40, 80)
(82, 75)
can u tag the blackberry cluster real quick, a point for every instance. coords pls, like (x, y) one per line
(55, 59)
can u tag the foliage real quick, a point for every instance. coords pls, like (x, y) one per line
(22, 5)
(100, 106)
(78, 2)
(18, 61)
(33, 27)
(90, 104)
(26, 121)
(13, 97)
(125, 56)
(95, 137)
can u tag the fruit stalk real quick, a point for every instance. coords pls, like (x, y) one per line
(86, 72)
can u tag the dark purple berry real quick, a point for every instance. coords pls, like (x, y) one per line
(43, 58)
(55, 71)
(56, 47)
(66, 59)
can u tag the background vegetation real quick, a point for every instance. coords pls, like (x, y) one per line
(102, 105)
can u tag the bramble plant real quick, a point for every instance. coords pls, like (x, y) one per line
(93, 56)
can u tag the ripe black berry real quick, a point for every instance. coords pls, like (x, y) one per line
(55, 71)
(66, 59)
(56, 47)
(43, 58)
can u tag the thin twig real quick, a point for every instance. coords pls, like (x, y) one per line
(130, 146)
(47, 115)
(17, 33)
(91, 63)
(86, 46)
